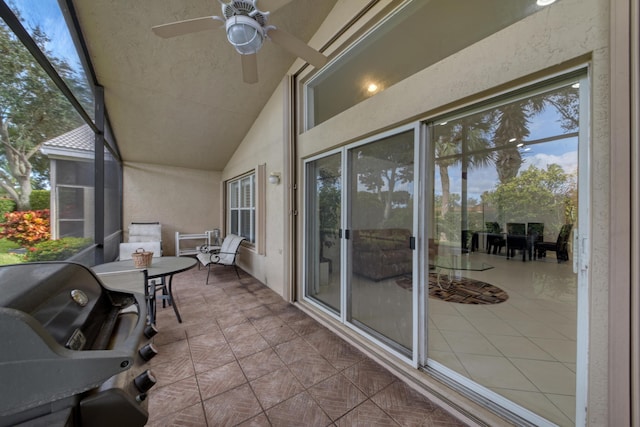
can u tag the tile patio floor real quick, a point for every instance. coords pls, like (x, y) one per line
(243, 356)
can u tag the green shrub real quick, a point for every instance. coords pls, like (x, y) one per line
(40, 199)
(6, 206)
(56, 250)
(27, 227)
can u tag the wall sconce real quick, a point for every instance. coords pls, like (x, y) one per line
(274, 178)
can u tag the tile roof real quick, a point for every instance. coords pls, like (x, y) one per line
(81, 138)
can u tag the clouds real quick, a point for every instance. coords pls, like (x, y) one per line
(567, 161)
(486, 178)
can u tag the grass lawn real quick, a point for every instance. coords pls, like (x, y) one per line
(5, 256)
(6, 259)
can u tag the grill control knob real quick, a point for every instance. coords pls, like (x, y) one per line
(148, 352)
(145, 381)
(150, 330)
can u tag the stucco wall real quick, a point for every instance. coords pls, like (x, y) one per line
(264, 144)
(184, 200)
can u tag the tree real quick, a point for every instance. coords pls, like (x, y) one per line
(463, 141)
(32, 111)
(381, 167)
(513, 127)
(536, 194)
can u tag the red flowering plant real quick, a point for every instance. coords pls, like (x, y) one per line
(27, 227)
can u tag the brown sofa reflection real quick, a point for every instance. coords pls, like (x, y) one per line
(381, 254)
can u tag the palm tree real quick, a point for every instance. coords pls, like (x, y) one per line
(512, 129)
(463, 141)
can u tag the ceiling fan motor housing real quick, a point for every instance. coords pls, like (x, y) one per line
(246, 8)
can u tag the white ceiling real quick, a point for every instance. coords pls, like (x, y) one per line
(181, 101)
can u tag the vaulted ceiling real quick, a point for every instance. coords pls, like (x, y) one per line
(182, 101)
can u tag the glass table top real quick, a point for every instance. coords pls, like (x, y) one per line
(459, 262)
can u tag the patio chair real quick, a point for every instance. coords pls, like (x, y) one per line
(516, 239)
(535, 235)
(226, 255)
(494, 236)
(560, 246)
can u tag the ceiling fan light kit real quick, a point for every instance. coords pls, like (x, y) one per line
(246, 28)
(245, 34)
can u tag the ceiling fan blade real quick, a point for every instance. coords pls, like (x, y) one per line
(250, 68)
(297, 47)
(271, 5)
(195, 25)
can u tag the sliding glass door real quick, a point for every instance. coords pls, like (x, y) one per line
(381, 202)
(323, 216)
(503, 280)
(486, 289)
(367, 226)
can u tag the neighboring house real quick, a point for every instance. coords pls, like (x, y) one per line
(72, 183)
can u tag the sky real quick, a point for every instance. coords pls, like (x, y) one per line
(546, 124)
(48, 15)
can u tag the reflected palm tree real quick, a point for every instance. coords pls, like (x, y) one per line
(512, 129)
(463, 142)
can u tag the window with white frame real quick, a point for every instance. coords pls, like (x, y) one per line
(242, 206)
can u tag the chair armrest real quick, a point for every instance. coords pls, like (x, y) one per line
(208, 249)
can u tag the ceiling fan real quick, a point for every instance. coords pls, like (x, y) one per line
(246, 28)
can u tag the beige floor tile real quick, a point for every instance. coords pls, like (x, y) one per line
(538, 403)
(549, 377)
(437, 341)
(446, 322)
(491, 371)
(566, 404)
(469, 342)
(450, 360)
(521, 347)
(561, 350)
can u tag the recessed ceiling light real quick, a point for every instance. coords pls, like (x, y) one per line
(575, 85)
(520, 145)
(512, 140)
(372, 87)
(545, 2)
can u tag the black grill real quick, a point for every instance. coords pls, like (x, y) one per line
(74, 353)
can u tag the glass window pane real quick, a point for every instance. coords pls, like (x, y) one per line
(233, 217)
(242, 208)
(381, 212)
(436, 29)
(323, 252)
(233, 194)
(505, 203)
(247, 192)
(245, 224)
